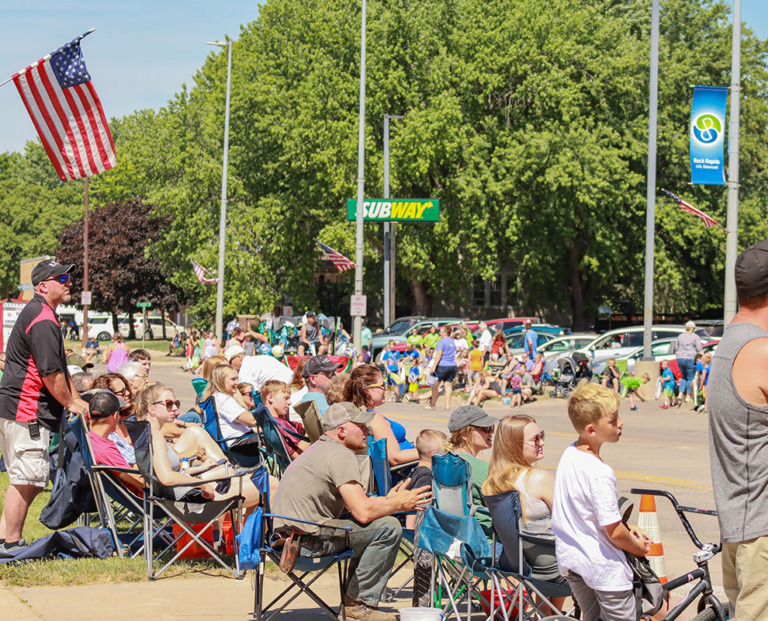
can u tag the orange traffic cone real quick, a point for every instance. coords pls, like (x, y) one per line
(648, 521)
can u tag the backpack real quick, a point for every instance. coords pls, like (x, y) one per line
(72, 494)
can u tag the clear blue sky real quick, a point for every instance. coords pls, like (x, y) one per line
(142, 51)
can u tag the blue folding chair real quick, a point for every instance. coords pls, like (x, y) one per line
(270, 549)
(277, 453)
(212, 425)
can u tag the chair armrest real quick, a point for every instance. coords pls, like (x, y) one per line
(537, 540)
(237, 473)
(102, 468)
(403, 466)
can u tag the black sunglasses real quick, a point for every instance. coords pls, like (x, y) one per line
(62, 278)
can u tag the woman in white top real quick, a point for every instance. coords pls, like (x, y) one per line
(235, 421)
(518, 445)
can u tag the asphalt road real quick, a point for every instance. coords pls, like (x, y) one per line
(659, 449)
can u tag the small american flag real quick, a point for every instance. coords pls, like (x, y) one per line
(709, 222)
(67, 114)
(340, 262)
(200, 272)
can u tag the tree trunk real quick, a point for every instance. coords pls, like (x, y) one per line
(577, 294)
(422, 302)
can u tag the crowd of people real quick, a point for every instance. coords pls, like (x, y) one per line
(575, 507)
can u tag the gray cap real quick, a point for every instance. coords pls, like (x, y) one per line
(344, 412)
(468, 415)
(103, 401)
(752, 270)
(319, 364)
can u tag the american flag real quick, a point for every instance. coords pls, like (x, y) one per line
(60, 98)
(709, 222)
(340, 262)
(200, 272)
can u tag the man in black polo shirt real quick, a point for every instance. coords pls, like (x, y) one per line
(34, 391)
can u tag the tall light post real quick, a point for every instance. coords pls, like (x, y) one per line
(650, 215)
(389, 236)
(358, 324)
(732, 223)
(223, 217)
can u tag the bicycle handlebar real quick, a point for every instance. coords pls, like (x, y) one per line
(681, 510)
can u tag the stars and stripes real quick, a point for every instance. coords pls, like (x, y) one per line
(709, 222)
(67, 114)
(200, 272)
(340, 262)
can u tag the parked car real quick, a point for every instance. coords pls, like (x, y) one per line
(707, 347)
(622, 341)
(400, 324)
(563, 344)
(156, 327)
(100, 327)
(494, 325)
(380, 340)
(660, 350)
(516, 342)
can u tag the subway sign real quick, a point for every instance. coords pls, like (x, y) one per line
(396, 209)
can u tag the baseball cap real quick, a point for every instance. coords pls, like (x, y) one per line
(319, 364)
(103, 401)
(49, 268)
(468, 415)
(76, 360)
(233, 351)
(752, 270)
(344, 412)
(312, 315)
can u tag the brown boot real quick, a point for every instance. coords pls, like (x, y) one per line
(364, 612)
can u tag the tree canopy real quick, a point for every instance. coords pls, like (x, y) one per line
(527, 120)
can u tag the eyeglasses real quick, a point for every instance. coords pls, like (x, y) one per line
(536, 440)
(169, 404)
(122, 393)
(377, 385)
(63, 278)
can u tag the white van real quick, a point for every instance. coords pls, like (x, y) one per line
(156, 327)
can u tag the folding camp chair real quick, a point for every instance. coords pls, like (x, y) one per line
(271, 550)
(212, 425)
(382, 479)
(512, 575)
(115, 503)
(277, 452)
(459, 571)
(183, 514)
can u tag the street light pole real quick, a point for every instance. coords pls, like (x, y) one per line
(732, 223)
(389, 236)
(650, 215)
(358, 327)
(223, 217)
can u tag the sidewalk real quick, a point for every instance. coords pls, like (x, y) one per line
(168, 599)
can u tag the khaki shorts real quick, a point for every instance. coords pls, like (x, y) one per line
(26, 459)
(745, 567)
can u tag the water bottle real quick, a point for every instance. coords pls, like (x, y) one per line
(184, 464)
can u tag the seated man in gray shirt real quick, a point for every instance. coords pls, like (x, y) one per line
(321, 483)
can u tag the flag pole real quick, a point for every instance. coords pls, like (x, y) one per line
(85, 267)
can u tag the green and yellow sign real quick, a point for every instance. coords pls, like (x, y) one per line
(396, 209)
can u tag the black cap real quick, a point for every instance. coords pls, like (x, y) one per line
(311, 315)
(752, 270)
(103, 401)
(319, 364)
(49, 268)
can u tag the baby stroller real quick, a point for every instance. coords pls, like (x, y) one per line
(572, 369)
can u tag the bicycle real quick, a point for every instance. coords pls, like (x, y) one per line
(709, 607)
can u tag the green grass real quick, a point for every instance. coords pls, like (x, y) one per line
(155, 345)
(65, 572)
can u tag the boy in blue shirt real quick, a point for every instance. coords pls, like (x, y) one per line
(391, 360)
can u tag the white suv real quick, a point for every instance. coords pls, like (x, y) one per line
(156, 327)
(621, 341)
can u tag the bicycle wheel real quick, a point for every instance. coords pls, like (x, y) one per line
(708, 614)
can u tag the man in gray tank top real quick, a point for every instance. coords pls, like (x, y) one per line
(738, 405)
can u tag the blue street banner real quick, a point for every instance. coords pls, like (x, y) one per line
(708, 135)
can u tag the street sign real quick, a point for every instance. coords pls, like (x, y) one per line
(396, 209)
(357, 306)
(85, 298)
(144, 304)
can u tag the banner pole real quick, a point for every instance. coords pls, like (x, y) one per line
(732, 222)
(85, 268)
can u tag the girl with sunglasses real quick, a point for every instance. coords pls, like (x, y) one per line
(367, 389)
(518, 445)
(158, 405)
